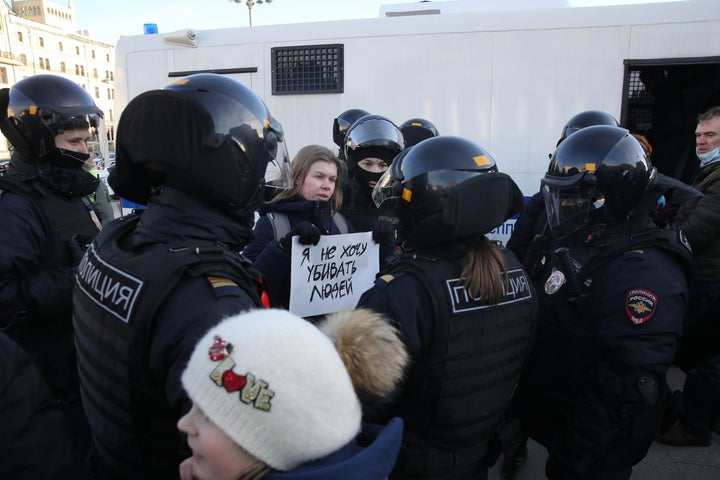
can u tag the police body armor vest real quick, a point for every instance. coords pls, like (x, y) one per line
(49, 337)
(583, 258)
(455, 399)
(566, 328)
(116, 298)
(61, 217)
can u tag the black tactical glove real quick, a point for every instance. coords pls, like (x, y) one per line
(383, 231)
(77, 246)
(309, 235)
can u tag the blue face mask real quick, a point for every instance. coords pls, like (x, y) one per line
(709, 157)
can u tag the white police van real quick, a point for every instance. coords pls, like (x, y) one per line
(507, 74)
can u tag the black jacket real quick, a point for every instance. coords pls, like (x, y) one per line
(467, 357)
(131, 354)
(35, 438)
(264, 251)
(37, 266)
(610, 321)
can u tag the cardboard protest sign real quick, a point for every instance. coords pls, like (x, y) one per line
(333, 274)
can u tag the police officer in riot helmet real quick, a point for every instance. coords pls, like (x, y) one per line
(371, 144)
(195, 153)
(533, 221)
(46, 220)
(612, 288)
(587, 118)
(416, 130)
(341, 124)
(446, 294)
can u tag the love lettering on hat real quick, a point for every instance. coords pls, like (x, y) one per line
(253, 391)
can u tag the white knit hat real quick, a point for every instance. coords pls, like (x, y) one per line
(276, 385)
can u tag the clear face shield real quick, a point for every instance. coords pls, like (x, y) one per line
(568, 205)
(78, 138)
(389, 186)
(279, 173)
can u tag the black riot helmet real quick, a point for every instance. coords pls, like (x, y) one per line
(584, 119)
(206, 135)
(375, 135)
(597, 167)
(447, 188)
(343, 122)
(416, 130)
(38, 108)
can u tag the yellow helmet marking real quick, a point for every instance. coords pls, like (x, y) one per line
(482, 161)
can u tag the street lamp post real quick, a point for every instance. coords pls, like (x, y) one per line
(250, 4)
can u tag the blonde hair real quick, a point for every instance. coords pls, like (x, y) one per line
(301, 164)
(484, 271)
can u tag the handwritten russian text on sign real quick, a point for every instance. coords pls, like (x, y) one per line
(333, 274)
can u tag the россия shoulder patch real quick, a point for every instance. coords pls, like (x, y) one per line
(640, 305)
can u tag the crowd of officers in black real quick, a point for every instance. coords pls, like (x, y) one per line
(566, 336)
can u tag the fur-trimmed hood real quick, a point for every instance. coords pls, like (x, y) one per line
(372, 351)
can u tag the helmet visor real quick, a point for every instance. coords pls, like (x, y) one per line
(279, 170)
(387, 188)
(69, 131)
(568, 208)
(376, 132)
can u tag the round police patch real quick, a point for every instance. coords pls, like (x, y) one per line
(554, 282)
(640, 305)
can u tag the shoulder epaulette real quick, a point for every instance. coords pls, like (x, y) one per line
(384, 280)
(223, 286)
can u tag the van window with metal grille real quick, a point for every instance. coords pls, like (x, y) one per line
(308, 69)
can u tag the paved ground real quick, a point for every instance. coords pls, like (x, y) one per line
(662, 462)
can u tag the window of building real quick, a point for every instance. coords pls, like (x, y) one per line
(97, 92)
(92, 54)
(41, 40)
(82, 70)
(77, 50)
(107, 57)
(77, 69)
(3, 75)
(60, 47)
(23, 58)
(108, 94)
(20, 37)
(95, 74)
(63, 68)
(47, 64)
(308, 69)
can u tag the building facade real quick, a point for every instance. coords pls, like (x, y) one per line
(40, 37)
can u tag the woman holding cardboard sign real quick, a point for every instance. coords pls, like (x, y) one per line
(308, 210)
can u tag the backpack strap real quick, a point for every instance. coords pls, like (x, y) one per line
(280, 224)
(341, 222)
